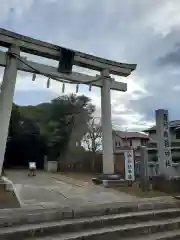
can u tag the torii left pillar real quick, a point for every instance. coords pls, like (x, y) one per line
(6, 98)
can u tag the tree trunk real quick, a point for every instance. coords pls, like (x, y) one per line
(93, 162)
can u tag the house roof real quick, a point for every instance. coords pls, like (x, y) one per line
(173, 124)
(123, 134)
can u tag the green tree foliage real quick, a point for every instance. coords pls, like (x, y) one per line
(64, 122)
(24, 141)
(15, 122)
(58, 124)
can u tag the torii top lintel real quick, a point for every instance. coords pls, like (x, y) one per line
(48, 50)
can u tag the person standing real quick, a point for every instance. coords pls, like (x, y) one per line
(32, 169)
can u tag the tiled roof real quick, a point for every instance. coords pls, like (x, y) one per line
(123, 134)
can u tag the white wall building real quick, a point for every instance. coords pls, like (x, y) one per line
(133, 140)
(174, 130)
(174, 137)
(122, 141)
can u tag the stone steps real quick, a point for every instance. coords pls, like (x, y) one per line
(37, 214)
(169, 235)
(108, 226)
(152, 230)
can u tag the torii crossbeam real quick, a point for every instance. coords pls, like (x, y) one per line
(67, 58)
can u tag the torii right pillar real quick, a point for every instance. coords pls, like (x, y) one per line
(107, 140)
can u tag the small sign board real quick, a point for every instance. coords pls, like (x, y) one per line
(129, 165)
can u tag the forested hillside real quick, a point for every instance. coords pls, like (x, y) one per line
(50, 128)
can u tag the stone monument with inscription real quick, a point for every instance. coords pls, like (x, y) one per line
(165, 167)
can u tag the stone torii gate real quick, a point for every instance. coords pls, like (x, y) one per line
(12, 61)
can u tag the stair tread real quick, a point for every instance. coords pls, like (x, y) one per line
(102, 230)
(60, 223)
(154, 236)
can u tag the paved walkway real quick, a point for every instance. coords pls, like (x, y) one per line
(53, 190)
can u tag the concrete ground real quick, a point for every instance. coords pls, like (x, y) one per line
(55, 190)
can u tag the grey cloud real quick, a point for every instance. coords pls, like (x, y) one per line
(170, 59)
(121, 112)
(31, 97)
(118, 30)
(118, 122)
(161, 95)
(104, 28)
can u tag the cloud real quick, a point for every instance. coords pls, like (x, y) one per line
(31, 97)
(142, 32)
(170, 59)
(13, 10)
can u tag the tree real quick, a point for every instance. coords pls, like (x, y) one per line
(93, 138)
(71, 113)
(15, 122)
(59, 125)
(62, 123)
(24, 140)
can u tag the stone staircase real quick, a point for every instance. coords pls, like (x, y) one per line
(150, 221)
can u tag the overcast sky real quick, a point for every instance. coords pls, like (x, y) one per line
(145, 32)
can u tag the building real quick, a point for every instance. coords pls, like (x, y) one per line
(174, 128)
(123, 141)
